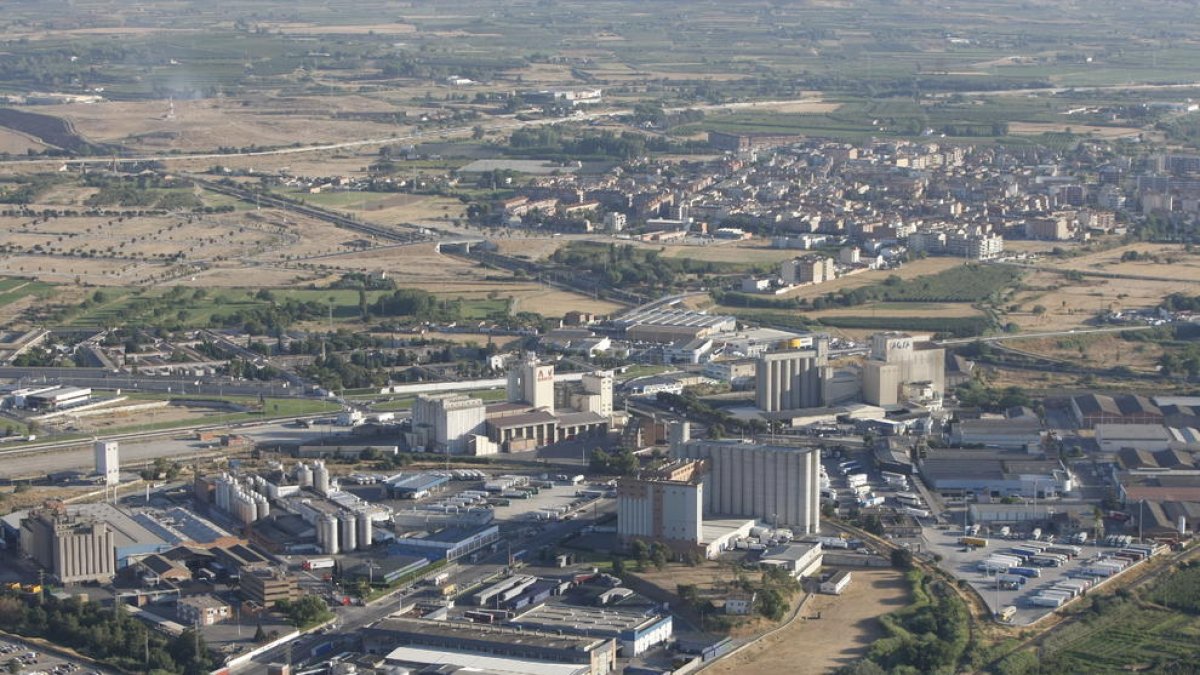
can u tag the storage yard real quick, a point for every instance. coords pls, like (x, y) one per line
(1034, 575)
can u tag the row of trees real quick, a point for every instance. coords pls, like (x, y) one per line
(111, 637)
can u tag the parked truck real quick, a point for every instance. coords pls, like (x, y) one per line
(317, 564)
(974, 542)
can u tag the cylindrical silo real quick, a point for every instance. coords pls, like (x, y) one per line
(366, 531)
(304, 475)
(329, 534)
(349, 531)
(320, 477)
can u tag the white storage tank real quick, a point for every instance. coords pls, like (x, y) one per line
(329, 534)
(320, 478)
(304, 475)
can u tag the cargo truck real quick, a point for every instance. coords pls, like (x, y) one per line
(1054, 601)
(317, 564)
(1029, 572)
(975, 542)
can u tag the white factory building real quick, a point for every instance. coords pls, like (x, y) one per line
(779, 485)
(904, 367)
(108, 463)
(449, 423)
(532, 383)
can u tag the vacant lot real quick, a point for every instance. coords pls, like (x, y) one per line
(846, 628)
(1070, 304)
(1152, 260)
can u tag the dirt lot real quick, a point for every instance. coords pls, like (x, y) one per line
(846, 628)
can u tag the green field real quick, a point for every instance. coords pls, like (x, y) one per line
(12, 290)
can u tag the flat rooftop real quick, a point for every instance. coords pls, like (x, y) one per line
(713, 529)
(790, 552)
(451, 535)
(179, 526)
(524, 419)
(481, 663)
(128, 531)
(417, 482)
(593, 620)
(472, 631)
(670, 317)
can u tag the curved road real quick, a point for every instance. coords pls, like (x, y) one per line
(388, 140)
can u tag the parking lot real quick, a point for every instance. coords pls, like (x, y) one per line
(561, 498)
(18, 656)
(963, 562)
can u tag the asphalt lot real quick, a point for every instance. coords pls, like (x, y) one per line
(963, 563)
(13, 650)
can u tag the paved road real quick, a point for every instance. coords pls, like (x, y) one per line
(99, 378)
(500, 123)
(139, 449)
(1034, 336)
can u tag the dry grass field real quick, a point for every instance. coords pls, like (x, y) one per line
(902, 309)
(1036, 128)
(1167, 261)
(846, 628)
(206, 124)
(1090, 350)
(1070, 304)
(17, 143)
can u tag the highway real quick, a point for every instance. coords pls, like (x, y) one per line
(504, 122)
(99, 378)
(138, 448)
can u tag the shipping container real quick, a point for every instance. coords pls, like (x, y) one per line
(977, 542)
